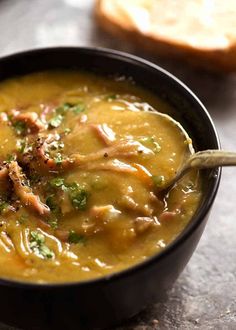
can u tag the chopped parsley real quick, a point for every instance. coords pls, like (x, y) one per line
(3, 206)
(56, 121)
(67, 131)
(158, 180)
(75, 238)
(10, 158)
(52, 204)
(61, 111)
(58, 158)
(53, 222)
(37, 245)
(20, 127)
(57, 182)
(23, 146)
(23, 218)
(151, 142)
(80, 107)
(78, 196)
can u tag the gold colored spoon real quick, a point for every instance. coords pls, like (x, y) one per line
(201, 160)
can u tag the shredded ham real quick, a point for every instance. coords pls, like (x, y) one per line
(105, 133)
(128, 203)
(104, 213)
(41, 153)
(114, 165)
(24, 192)
(142, 224)
(31, 119)
(123, 148)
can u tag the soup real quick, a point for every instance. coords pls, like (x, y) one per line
(83, 161)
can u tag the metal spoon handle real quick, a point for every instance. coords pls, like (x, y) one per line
(211, 158)
(205, 159)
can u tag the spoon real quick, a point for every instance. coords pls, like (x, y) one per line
(201, 160)
(195, 160)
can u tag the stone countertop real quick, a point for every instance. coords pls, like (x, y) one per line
(204, 296)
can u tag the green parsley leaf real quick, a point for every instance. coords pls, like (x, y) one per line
(3, 206)
(10, 158)
(58, 158)
(20, 127)
(57, 182)
(23, 218)
(67, 131)
(75, 238)
(53, 223)
(53, 205)
(78, 108)
(79, 199)
(37, 245)
(151, 142)
(62, 109)
(56, 121)
(158, 180)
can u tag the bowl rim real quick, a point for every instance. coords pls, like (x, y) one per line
(198, 217)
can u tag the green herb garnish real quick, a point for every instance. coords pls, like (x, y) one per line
(62, 109)
(78, 196)
(67, 131)
(57, 182)
(78, 108)
(158, 180)
(20, 127)
(37, 245)
(56, 121)
(58, 158)
(75, 238)
(10, 158)
(53, 223)
(3, 206)
(53, 204)
(23, 218)
(151, 142)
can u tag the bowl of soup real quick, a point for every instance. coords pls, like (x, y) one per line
(89, 138)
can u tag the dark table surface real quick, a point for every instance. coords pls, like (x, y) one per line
(204, 296)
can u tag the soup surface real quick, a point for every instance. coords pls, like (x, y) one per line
(83, 160)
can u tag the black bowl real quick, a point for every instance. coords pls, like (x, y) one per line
(109, 300)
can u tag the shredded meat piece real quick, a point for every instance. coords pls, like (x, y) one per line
(142, 224)
(113, 165)
(31, 119)
(63, 235)
(104, 212)
(45, 161)
(105, 133)
(24, 192)
(123, 148)
(128, 203)
(167, 216)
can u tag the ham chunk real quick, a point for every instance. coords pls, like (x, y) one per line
(24, 192)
